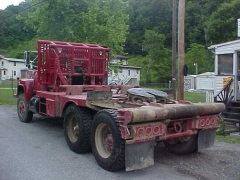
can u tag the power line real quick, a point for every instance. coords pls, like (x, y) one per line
(25, 9)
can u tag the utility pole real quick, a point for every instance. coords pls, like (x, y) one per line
(181, 48)
(174, 47)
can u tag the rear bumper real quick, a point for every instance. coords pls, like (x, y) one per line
(168, 129)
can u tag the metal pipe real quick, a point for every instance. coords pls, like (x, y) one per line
(178, 111)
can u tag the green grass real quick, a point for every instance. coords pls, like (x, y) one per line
(8, 83)
(190, 96)
(227, 139)
(195, 97)
(6, 97)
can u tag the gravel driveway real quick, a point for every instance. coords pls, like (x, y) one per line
(222, 161)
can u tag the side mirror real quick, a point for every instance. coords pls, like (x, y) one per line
(27, 58)
(185, 70)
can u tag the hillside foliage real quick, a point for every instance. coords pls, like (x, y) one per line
(139, 29)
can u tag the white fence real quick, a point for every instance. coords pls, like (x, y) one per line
(209, 96)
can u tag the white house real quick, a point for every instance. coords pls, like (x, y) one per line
(120, 73)
(227, 65)
(11, 68)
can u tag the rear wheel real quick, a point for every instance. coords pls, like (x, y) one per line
(77, 122)
(22, 108)
(107, 145)
(183, 145)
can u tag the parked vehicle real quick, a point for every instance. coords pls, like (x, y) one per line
(120, 124)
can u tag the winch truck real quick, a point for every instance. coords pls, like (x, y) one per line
(120, 124)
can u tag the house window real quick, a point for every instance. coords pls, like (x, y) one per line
(2, 63)
(14, 73)
(129, 72)
(225, 64)
(137, 71)
(4, 72)
(15, 63)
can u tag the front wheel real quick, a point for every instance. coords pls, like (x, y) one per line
(107, 145)
(183, 145)
(22, 109)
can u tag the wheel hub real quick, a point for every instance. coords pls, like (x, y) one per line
(21, 107)
(73, 128)
(104, 140)
(108, 142)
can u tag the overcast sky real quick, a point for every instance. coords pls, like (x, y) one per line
(5, 3)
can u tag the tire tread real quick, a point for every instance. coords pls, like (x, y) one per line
(82, 145)
(29, 115)
(120, 160)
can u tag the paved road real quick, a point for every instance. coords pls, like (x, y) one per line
(38, 151)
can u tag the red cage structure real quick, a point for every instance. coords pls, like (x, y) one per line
(68, 63)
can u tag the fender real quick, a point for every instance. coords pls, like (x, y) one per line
(26, 86)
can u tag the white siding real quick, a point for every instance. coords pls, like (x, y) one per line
(205, 83)
(122, 76)
(9, 69)
(226, 48)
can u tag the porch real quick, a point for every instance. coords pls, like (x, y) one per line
(227, 82)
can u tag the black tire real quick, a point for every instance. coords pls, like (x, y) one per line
(24, 114)
(107, 145)
(77, 122)
(187, 146)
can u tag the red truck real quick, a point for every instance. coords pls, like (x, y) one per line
(119, 124)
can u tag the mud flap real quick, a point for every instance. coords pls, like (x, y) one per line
(206, 138)
(139, 155)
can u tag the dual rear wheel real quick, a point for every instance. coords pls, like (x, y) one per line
(184, 145)
(100, 134)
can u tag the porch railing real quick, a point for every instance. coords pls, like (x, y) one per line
(226, 94)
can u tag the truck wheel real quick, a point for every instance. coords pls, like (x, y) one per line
(77, 122)
(107, 145)
(22, 109)
(184, 145)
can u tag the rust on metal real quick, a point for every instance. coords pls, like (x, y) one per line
(150, 113)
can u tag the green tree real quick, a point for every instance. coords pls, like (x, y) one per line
(158, 65)
(13, 29)
(105, 23)
(148, 14)
(197, 53)
(222, 24)
(197, 13)
(52, 20)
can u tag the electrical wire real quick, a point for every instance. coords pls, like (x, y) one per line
(24, 9)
